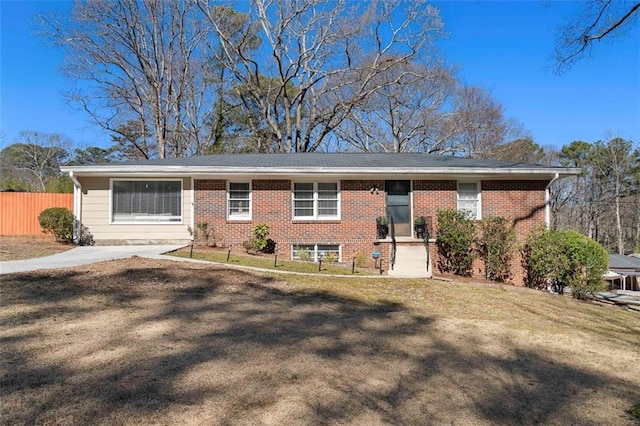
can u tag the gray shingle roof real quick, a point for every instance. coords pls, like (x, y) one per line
(331, 160)
(620, 261)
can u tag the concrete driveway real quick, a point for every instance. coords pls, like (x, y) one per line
(84, 256)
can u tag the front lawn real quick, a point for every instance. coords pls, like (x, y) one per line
(143, 341)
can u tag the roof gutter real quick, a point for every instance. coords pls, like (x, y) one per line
(351, 171)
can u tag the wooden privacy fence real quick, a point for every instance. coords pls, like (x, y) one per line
(19, 210)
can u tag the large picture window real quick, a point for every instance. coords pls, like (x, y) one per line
(146, 201)
(239, 200)
(316, 200)
(469, 199)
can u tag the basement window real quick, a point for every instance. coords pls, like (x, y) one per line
(313, 252)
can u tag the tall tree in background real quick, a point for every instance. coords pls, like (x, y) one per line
(31, 163)
(598, 20)
(318, 59)
(523, 150)
(605, 199)
(615, 166)
(404, 114)
(477, 122)
(143, 63)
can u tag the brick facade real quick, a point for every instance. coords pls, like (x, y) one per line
(522, 201)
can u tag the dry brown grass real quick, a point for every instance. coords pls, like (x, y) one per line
(17, 247)
(144, 341)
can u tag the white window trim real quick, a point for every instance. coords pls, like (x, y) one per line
(315, 201)
(315, 250)
(249, 215)
(155, 222)
(479, 188)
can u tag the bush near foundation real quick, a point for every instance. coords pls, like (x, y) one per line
(455, 241)
(57, 221)
(498, 247)
(564, 259)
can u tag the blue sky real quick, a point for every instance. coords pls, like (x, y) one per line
(503, 46)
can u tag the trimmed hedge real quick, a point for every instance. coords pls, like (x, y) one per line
(57, 221)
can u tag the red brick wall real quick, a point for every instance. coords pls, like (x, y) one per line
(522, 201)
(272, 205)
(431, 195)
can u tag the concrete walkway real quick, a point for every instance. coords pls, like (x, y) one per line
(83, 256)
(621, 297)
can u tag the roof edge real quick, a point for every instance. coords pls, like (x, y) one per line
(212, 170)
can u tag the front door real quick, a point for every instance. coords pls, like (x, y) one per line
(399, 206)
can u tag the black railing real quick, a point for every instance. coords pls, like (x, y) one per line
(392, 230)
(425, 239)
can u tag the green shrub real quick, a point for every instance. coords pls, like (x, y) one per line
(455, 240)
(498, 247)
(588, 261)
(261, 241)
(539, 257)
(565, 259)
(57, 221)
(260, 236)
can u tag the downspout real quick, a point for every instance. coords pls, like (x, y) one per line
(193, 209)
(77, 207)
(547, 201)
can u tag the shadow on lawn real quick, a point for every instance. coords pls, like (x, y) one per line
(224, 346)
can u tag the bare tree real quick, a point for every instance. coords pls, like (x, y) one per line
(476, 123)
(599, 20)
(140, 62)
(35, 159)
(523, 150)
(318, 59)
(403, 114)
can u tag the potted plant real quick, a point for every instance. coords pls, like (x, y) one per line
(382, 225)
(419, 226)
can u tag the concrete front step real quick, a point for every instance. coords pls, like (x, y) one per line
(411, 261)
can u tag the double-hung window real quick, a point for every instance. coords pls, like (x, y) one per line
(316, 200)
(146, 201)
(239, 200)
(469, 199)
